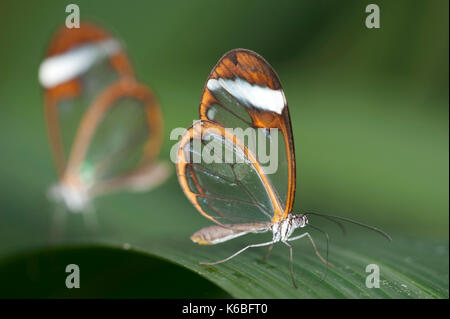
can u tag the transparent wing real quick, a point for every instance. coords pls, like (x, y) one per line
(118, 138)
(79, 65)
(243, 91)
(222, 178)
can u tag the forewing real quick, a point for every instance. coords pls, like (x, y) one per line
(243, 91)
(80, 63)
(222, 178)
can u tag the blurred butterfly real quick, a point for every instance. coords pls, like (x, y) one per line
(105, 128)
(244, 92)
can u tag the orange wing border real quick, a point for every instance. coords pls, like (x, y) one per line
(126, 87)
(195, 131)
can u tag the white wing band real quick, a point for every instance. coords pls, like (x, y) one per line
(69, 65)
(263, 98)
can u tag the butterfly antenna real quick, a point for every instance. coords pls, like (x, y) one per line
(328, 244)
(341, 226)
(373, 228)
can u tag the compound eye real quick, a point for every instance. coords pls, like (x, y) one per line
(305, 219)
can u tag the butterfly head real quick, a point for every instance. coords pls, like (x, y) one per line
(299, 220)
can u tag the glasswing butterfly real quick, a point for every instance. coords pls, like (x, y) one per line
(105, 128)
(243, 91)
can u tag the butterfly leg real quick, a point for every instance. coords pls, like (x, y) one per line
(268, 252)
(237, 253)
(314, 246)
(291, 263)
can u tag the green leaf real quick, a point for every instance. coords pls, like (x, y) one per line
(403, 274)
(408, 269)
(105, 272)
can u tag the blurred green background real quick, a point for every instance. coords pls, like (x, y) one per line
(369, 110)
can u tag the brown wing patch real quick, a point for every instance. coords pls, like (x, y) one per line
(247, 65)
(65, 39)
